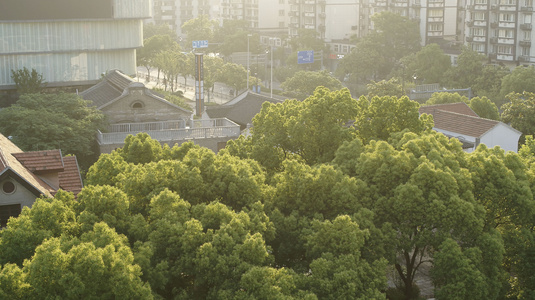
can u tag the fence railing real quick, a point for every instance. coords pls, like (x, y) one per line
(171, 131)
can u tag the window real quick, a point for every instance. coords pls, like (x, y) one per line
(504, 49)
(436, 13)
(506, 33)
(525, 51)
(478, 31)
(508, 2)
(281, 12)
(8, 187)
(478, 47)
(507, 17)
(478, 16)
(435, 27)
(480, 2)
(7, 211)
(137, 105)
(281, 1)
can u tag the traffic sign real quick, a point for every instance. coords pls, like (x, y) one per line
(199, 44)
(305, 57)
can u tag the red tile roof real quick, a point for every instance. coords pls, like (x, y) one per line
(462, 124)
(70, 179)
(41, 161)
(460, 108)
(29, 165)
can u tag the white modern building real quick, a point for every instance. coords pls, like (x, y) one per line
(70, 43)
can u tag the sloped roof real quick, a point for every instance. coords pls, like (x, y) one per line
(8, 162)
(462, 124)
(70, 179)
(460, 108)
(146, 92)
(242, 109)
(27, 166)
(41, 161)
(109, 88)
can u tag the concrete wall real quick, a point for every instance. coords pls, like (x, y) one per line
(20, 196)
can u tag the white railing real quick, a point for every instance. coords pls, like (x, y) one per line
(165, 132)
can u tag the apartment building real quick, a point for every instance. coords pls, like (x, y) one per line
(70, 43)
(175, 13)
(501, 29)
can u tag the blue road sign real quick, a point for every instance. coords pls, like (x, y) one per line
(199, 44)
(305, 57)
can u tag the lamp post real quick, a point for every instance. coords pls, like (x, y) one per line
(248, 36)
(271, 75)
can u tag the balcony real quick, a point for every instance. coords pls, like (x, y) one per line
(493, 55)
(469, 39)
(526, 8)
(524, 43)
(494, 24)
(494, 40)
(525, 26)
(524, 58)
(170, 131)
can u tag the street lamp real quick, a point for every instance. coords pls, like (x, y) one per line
(271, 41)
(248, 36)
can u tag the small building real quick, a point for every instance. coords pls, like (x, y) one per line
(132, 108)
(25, 176)
(241, 109)
(460, 121)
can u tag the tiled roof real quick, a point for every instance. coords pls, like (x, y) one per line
(109, 88)
(41, 161)
(462, 124)
(70, 179)
(29, 165)
(240, 110)
(9, 162)
(460, 108)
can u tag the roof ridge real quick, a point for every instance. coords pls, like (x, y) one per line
(460, 114)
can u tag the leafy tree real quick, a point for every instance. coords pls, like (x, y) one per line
(233, 75)
(307, 39)
(385, 88)
(517, 112)
(377, 53)
(469, 68)
(303, 83)
(429, 64)
(91, 268)
(379, 117)
(200, 28)
(28, 82)
(484, 108)
(338, 271)
(490, 82)
(53, 121)
(232, 35)
(310, 130)
(46, 219)
(152, 46)
(446, 97)
(150, 30)
(521, 79)
(403, 193)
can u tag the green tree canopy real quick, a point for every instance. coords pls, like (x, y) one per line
(54, 121)
(518, 111)
(521, 80)
(303, 83)
(28, 82)
(427, 65)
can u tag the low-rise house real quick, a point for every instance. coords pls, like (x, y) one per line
(241, 109)
(132, 108)
(25, 176)
(459, 121)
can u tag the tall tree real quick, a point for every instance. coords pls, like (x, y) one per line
(303, 83)
(469, 68)
(54, 121)
(27, 81)
(521, 80)
(518, 111)
(428, 65)
(200, 28)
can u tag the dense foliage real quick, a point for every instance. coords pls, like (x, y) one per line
(328, 198)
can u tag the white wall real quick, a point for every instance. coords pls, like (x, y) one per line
(503, 136)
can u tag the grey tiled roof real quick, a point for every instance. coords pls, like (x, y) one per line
(241, 110)
(109, 88)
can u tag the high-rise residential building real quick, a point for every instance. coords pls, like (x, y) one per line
(174, 13)
(501, 29)
(72, 42)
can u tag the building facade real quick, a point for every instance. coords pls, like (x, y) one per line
(70, 44)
